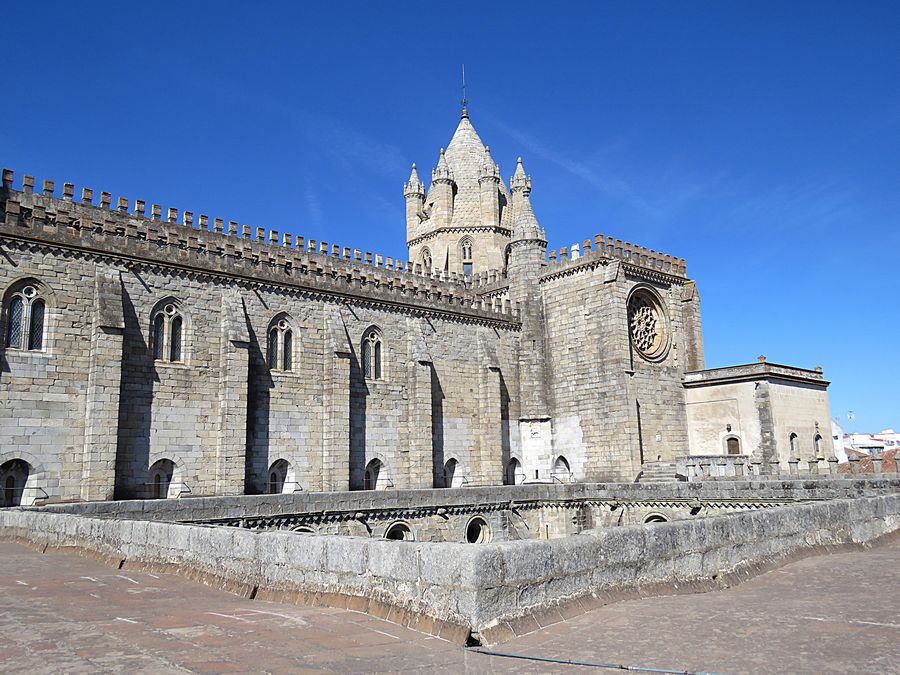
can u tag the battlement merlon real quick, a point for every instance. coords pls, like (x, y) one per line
(607, 247)
(220, 249)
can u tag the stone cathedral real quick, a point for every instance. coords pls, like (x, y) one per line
(150, 354)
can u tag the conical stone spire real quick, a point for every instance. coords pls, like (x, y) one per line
(520, 182)
(442, 172)
(489, 168)
(413, 186)
(526, 224)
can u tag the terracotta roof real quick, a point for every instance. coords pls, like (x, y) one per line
(888, 464)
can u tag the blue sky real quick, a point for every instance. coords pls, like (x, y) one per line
(758, 140)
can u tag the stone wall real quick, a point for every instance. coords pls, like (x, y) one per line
(613, 408)
(93, 411)
(495, 590)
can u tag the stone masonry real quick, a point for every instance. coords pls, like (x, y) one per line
(152, 354)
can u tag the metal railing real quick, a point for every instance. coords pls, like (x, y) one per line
(14, 496)
(164, 493)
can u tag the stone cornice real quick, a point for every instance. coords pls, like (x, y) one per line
(415, 241)
(380, 515)
(753, 372)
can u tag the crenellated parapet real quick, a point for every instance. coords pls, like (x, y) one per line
(608, 247)
(212, 245)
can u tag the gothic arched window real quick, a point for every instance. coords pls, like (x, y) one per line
(371, 354)
(281, 345)
(25, 313)
(168, 334)
(426, 259)
(795, 445)
(465, 247)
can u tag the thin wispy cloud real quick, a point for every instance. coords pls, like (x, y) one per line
(655, 192)
(313, 206)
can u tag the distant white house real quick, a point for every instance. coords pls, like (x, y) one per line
(870, 444)
(837, 437)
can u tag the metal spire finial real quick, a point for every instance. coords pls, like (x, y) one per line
(465, 100)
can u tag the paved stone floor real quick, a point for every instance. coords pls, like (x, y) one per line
(64, 613)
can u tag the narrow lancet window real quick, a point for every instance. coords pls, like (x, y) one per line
(281, 346)
(371, 354)
(25, 320)
(168, 334)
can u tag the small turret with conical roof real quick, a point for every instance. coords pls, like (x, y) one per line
(489, 184)
(440, 195)
(525, 226)
(414, 192)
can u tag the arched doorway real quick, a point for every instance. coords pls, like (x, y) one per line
(161, 478)
(278, 476)
(561, 471)
(13, 477)
(373, 470)
(733, 445)
(513, 474)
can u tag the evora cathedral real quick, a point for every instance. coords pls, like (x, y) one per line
(152, 354)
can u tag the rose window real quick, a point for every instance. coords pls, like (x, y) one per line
(646, 324)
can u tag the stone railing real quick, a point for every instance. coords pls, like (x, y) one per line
(706, 467)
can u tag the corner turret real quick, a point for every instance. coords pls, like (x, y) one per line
(440, 196)
(489, 185)
(414, 192)
(525, 224)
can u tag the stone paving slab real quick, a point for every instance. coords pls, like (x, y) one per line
(63, 613)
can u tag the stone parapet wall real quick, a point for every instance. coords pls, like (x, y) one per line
(212, 508)
(221, 250)
(615, 249)
(495, 590)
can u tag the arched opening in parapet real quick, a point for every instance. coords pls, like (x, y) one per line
(399, 531)
(795, 445)
(13, 477)
(478, 531)
(278, 476)
(561, 471)
(161, 474)
(732, 445)
(655, 518)
(514, 473)
(450, 473)
(303, 529)
(373, 471)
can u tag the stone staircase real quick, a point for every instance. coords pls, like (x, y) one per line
(657, 472)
